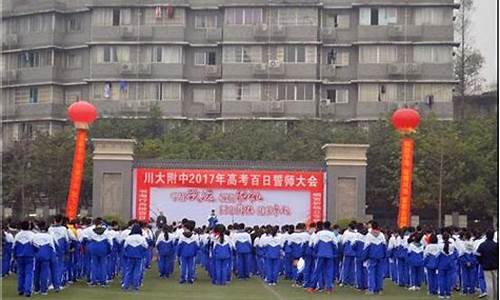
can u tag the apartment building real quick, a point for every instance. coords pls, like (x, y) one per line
(341, 60)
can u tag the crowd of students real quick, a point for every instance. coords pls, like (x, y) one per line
(314, 257)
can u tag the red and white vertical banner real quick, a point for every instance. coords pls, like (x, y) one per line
(253, 197)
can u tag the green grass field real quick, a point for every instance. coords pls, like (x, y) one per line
(253, 289)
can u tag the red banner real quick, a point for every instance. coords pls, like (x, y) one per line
(247, 183)
(76, 174)
(404, 217)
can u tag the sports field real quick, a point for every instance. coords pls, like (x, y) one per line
(254, 289)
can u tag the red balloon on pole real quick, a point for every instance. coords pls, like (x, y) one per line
(405, 120)
(82, 114)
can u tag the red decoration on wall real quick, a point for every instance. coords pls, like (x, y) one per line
(82, 114)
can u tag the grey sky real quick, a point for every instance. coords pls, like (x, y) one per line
(485, 35)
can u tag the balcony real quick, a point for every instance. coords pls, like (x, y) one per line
(272, 70)
(10, 77)
(213, 35)
(10, 41)
(410, 33)
(258, 108)
(329, 72)
(137, 107)
(32, 6)
(329, 35)
(266, 32)
(137, 33)
(35, 110)
(374, 110)
(39, 74)
(212, 108)
(400, 33)
(212, 72)
(409, 70)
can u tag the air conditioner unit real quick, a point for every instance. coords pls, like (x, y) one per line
(413, 69)
(263, 27)
(324, 102)
(277, 106)
(395, 69)
(145, 69)
(274, 63)
(212, 70)
(396, 31)
(127, 69)
(212, 107)
(261, 67)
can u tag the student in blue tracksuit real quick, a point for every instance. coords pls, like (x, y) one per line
(58, 266)
(24, 253)
(273, 246)
(400, 254)
(325, 247)
(221, 255)
(431, 254)
(243, 244)
(446, 266)
(359, 260)
(298, 240)
(134, 247)
(416, 261)
(259, 253)
(308, 256)
(391, 249)
(99, 246)
(166, 252)
(45, 251)
(187, 248)
(7, 244)
(468, 264)
(375, 248)
(337, 256)
(74, 260)
(348, 240)
(287, 231)
(112, 259)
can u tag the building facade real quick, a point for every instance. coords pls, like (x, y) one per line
(340, 60)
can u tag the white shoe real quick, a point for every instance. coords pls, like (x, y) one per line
(483, 295)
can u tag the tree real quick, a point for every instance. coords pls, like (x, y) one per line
(468, 60)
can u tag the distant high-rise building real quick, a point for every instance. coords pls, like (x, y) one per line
(341, 60)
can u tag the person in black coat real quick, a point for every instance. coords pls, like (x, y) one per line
(488, 258)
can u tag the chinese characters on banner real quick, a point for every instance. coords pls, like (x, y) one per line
(247, 193)
(405, 184)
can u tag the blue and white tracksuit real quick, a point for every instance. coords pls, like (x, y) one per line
(58, 264)
(45, 252)
(431, 255)
(297, 241)
(401, 253)
(24, 253)
(187, 249)
(375, 248)
(361, 274)
(416, 263)
(325, 245)
(7, 244)
(446, 268)
(166, 255)
(243, 244)
(99, 247)
(391, 249)
(221, 256)
(272, 246)
(468, 266)
(348, 268)
(134, 247)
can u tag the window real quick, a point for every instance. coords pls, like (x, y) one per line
(377, 16)
(28, 60)
(243, 16)
(299, 91)
(300, 54)
(74, 24)
(378, 92)
(440, 92)
(116, 17)
(113, 54)
(432, 54)
(433, 16)
(337, 57)
(205, 21)
(110, 54)
(73, 61)
(33, 95)
(241, 91)
(165, 16)
(166, 54)
(337, 95)
(203, 95)
(297, 16)
(377, 54)
(156, 55)
(167, 91)
(204, 58)
(242, 54)
(72, 95)
(337, 21)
